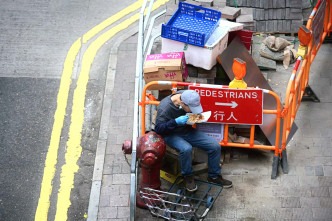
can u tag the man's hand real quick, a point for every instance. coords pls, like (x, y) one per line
(182, 120)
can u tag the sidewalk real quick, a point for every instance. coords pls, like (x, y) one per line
(303, 194)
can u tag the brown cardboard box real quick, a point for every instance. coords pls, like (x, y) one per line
(165, 67)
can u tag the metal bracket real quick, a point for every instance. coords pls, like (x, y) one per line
(309, 95)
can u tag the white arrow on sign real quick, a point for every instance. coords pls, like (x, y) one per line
(233, 104)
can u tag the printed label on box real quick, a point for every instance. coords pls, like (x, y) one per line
(214, 130)
(175, 55)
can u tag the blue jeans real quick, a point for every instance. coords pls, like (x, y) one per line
(184, 144)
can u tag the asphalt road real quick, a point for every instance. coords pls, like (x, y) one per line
(35, 37)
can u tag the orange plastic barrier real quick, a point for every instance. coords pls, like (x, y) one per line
(295, 90)
(225, 142)
(300, 79)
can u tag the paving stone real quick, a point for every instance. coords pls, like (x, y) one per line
(309, 181)
(269, 25)
(220, 213)
(257, 3)
(295, 3)
(266, 214)
(310, 171)
(288, 15)
(310, 202)
(327, 170)
(280, 25)
(319, 171)
(271, 13)
(230, 12)
(284, 213)
(295, 25)
(202, 73)
(302, 214)
(119, 200)
(288, 24)
(107, 180)
(234, 202)
(125, 189)
(290, 202)
(192, 71)
(274, 3)
(275, 25)
(125, 167)
(281, 3)
(292, 192)
(260, 26)
(256, 14)
(231, 3)
(110, 190)
(322, 213)
(287, 4)
(247, 11)
(266, 14)
(290, 181)
(295, 14)
(104, 200)
(116, 169)
(326, 202)
(320, 192)
(107, 212)
(123, 212)
(245, 18)
(323, 160)
(121, 179)
(193, 2)
(322, 151)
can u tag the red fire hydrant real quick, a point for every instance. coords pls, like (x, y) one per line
(151, 149)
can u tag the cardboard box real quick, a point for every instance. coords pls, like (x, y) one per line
(214, 130)
(165, 67)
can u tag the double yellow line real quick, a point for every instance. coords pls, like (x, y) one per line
(74, 148)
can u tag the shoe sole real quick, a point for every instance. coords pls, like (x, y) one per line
(224, 186)
(193, 190)
(228, 186)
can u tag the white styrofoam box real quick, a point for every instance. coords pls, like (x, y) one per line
(198, 56)
(231, 26)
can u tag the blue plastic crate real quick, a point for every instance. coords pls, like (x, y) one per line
(191, 24)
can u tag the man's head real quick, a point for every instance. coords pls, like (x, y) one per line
(192, 99)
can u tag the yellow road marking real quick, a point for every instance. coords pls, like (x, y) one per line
(51, 158)
(133, 7)
(74, 148)
(62, 99)
(73, 154)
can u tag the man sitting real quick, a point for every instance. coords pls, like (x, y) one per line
(171, 125)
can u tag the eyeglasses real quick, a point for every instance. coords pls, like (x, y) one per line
(183, 102)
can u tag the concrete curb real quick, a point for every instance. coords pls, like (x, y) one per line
(104, 124)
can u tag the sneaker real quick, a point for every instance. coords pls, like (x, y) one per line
(190, 183)
(219, 180)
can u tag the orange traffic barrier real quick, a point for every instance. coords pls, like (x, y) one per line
(299, 80)
(295, 90)
(224, 142)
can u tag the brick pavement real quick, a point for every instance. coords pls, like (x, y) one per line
(115, 187)
(303, 194)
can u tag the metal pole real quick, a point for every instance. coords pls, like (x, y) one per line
(133, 169)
